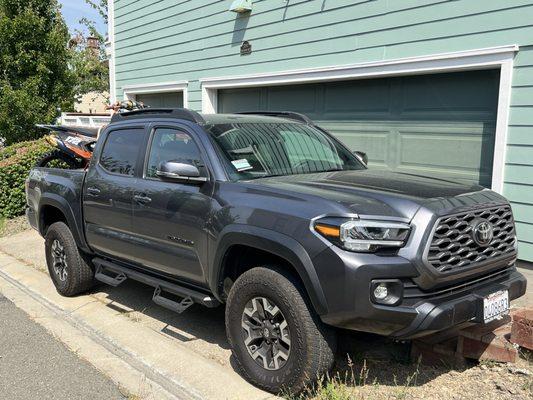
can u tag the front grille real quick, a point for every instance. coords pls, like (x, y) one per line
(453, 248)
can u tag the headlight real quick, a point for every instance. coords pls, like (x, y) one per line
(364, 235)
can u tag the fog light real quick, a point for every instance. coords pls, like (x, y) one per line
(381, 291)
(388, 292)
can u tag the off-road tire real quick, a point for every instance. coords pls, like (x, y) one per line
(58, 155)
(313, 344)
(80, 274)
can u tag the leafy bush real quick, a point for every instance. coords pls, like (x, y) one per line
(15, 164)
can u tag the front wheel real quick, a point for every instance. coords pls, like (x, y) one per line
(279, 343)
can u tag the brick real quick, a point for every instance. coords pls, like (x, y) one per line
(498, 350)
(486, 342)
(522, 328)
(479, 342)
(478, 331)
(444, 353)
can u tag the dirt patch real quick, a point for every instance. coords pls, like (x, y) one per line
(382, 371)
(9, 227)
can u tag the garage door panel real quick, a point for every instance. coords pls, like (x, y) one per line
(161, 100)
(357, 100)
(452, 96)
(454, 152)
(371, 139)
(234, 100)
(299, 97)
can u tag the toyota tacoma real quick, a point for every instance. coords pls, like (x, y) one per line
(272, 216)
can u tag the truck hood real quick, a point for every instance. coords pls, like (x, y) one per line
(377, 192)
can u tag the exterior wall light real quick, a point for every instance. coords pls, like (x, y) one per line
(241, 6)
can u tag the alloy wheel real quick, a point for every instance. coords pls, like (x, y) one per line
(59, 260)
(266, 333)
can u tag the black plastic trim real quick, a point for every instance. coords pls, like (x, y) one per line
(180, 113)
(197, 296)
(283, 114)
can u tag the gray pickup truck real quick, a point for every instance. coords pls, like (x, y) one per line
(272, 216)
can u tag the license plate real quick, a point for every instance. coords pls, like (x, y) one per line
(495, 306)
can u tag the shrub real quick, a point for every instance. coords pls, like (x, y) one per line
(15, 164)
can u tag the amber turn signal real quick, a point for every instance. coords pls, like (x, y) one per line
(328, 230)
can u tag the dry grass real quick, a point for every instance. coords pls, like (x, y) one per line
(383, 372)
(13, 226)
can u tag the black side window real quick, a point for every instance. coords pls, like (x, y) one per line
(120, 151)
(172, 145)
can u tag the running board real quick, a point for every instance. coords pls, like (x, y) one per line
(107, 279)
(176, 306)
(188, 295)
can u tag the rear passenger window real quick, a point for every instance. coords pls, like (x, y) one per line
(120, 151)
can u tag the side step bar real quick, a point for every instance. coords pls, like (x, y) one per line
(105, 269)
(107, 279)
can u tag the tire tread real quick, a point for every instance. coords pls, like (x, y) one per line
(319, 338)
(80, 272)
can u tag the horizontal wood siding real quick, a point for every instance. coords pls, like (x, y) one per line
(173, 40)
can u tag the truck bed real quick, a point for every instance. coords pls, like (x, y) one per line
(57, 188)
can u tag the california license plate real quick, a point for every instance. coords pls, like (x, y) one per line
(495, 306)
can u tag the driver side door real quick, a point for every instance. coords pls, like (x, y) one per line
(169, 216)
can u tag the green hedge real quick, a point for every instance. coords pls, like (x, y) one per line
(15, 163)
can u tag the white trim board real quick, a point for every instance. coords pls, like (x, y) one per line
(110, 51)
(179, 86)
(488, 58)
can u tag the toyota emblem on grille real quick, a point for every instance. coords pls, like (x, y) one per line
(482, 232)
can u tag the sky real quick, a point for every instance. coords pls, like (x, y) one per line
(74, 10)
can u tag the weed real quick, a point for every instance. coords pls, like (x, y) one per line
(488, 363)
(528, 386)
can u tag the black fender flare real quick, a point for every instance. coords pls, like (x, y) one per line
(275, 243)
(54, 200)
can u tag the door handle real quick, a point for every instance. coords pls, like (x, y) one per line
(142, 199)
(93, 191)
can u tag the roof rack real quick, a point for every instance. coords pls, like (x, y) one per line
(181, 113)
(283, 114)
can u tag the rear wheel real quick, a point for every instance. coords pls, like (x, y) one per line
(278, 341)
(71, 273)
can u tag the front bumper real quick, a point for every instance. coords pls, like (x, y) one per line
(346, 280)
(438, 314)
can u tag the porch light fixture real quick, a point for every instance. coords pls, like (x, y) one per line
(241, 6)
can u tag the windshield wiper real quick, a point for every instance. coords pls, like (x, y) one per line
(304, 173)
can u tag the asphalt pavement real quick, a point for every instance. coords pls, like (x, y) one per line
(34, 365)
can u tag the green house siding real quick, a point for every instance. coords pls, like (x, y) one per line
(175, 40)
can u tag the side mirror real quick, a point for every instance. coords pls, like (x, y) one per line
(179, 172)
(362, 156)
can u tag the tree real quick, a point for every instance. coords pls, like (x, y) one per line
(89, 65)
(100, 6)
(35, 78)
(89, 62)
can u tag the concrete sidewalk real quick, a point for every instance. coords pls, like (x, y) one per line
(146, 349)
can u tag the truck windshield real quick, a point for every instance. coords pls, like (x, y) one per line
(260, 150)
